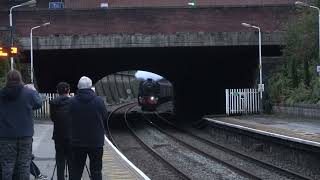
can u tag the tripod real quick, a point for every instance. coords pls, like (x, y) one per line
(66, 170)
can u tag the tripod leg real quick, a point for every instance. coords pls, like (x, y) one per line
(54, 169)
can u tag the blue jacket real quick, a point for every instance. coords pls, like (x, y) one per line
(16, 108)
(88, 115)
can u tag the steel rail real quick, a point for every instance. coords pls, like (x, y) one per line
(153, 152)
(200, 152)
(108, 122)
(285, 172)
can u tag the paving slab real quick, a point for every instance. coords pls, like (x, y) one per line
(115, 166)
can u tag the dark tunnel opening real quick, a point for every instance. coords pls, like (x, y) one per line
(199, 75)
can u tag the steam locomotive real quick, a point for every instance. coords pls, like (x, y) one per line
(152, 93)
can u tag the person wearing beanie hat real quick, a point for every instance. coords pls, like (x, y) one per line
(84, 83)
(88, 115)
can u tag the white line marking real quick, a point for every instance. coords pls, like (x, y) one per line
(125, 159)
(313, 143)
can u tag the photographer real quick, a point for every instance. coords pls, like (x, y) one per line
(17, 102)
(59, 114)
(88, 112)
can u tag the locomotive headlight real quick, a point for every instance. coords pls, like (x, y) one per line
(152, 98)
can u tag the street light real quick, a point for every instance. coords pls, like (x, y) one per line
(299, 3)
(31, 47)
(192, 3)
(28, 3)
(261, 86)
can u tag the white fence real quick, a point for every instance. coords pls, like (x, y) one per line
(242, 101)
(44, 111)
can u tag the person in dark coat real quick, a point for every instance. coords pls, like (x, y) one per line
(34, 171)
(88, 113)
(59, 114)
(17, 102)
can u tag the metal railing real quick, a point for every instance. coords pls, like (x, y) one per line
(242, 101)
(44, 111)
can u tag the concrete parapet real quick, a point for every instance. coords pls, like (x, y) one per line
(182, 39)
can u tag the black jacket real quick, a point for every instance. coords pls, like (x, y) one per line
(16, 108)
(88, 114)
(59, 114)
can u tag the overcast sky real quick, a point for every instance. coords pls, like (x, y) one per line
(145, 75)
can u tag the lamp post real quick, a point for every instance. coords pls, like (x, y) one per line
(299, 3)
(261, 86)
(31, 47)
(28, 3)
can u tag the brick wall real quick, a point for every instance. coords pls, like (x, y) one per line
(157, 3)
(149, 20)
(84, 4)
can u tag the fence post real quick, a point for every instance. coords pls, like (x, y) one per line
(227, 102)
(232, 104)
(242, 101)
(44, 111)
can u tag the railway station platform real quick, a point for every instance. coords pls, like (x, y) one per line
(289, 142)
(302, 130)
(115, 165)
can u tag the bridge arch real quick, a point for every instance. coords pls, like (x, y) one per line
(199, 74)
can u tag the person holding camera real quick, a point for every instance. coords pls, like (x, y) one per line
(88, 114)
(17, 102)
(59, 114)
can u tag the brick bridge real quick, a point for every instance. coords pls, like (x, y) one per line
(149, 27)
(202, 50)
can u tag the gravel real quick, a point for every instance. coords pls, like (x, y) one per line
(145, 161)
(189, 162)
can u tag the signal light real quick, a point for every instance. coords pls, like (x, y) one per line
(8, 52)
(14, 51)
(3, 53)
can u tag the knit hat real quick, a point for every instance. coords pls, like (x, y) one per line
(84, 83)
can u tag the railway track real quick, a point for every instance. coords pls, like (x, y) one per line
(231, 158)
(123, 136)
